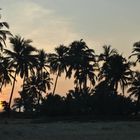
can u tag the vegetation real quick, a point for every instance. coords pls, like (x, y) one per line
(105, 83)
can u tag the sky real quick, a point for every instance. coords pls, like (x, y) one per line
(50, 23)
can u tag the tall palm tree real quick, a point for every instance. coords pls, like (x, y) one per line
(81, 60)
(22, 58)
(116, 70)
(134, 90)
(3, 33)
(57, 62)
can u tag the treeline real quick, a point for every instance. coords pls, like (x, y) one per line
(105, 83)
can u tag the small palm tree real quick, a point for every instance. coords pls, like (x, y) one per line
(57, 62)
(18, 103)
(37, 84)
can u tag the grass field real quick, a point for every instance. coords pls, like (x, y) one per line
(24, 130)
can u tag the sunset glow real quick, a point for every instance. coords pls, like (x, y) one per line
(1, 107)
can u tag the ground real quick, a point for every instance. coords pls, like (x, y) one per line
(25, 130)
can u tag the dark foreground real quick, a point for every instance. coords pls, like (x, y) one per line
(24, 130)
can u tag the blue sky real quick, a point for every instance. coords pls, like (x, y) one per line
(50, 23)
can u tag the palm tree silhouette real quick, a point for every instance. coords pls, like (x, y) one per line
(42, 61)
(116, 70)
(28, 100)
(22, 58)
(107, 52)
(134, 90)
(3, 33)
(36, 85)
(81, 60)
(83, 75)
(18, 103)
(57, 62)
(6, 72)
(136, 51)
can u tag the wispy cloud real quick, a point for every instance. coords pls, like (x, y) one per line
(43, 25)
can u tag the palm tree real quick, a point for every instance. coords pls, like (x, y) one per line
(107, 52)
(81, 60)
(57, 62)
(42, 61)
(6, 72)
(3, 33)
(18, 103)
(116, 70)
(38, 84)
(83, 75)
(28, 100)
(134, 90)
(136, 51)
(22, 58)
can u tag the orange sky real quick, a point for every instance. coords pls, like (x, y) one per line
(62, 87)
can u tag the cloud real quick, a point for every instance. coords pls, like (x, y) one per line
(43, 25)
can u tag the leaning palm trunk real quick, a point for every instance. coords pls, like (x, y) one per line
(12, 91)
(55, 83)
(1, 85)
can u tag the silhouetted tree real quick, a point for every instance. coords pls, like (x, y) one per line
(6, 72)
(57, 62)
(34, 86)
(53, 105)
(106, 101)
(136, 51)
(3, 33)
(5, 106)
(42, 61)
(81, 60)
(134, 90)
(78, 101)
(107, 52)
(18, 103)
(116, 70)
(22, 59)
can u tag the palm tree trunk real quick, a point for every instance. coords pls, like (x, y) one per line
(85, 83)
(1, 85)
(55, 83)
(12, 91)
